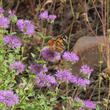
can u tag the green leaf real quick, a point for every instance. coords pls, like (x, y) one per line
(98, 108)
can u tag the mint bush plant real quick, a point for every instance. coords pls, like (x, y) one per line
(32, 76)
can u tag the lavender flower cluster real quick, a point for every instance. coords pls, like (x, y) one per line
(62, 75)
(86, 104)
(1, 10)
(18, 66)
(70, 56)
(85, 69)
(12, 41)
(54, 56)
(45, 16)
(49, 55)
(26, 26)
(8, 97)
(4, 22)
(38, 68)
(43, 80)
(67, 76)
(43, 77)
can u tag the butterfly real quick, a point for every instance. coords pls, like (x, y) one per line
(57, 44)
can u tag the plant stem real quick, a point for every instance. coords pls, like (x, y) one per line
(100, 66)
(67, 95)
(1, 3)
(107, 107)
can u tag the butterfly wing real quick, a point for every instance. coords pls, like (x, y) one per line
(56, 44)
(59, 45)
(51, 44)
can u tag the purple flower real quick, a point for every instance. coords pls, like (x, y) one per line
(85, 69)
(85, 104)
(44, 15)
(12, 41)
(38, 68)
(43, 80)
(89, 104)
(79, 81)
(81, 109)
(82, 82)
(26, 26)
(4, 22)
(51, 80)
(70, 56)
(11, 13)
(1, 10)
(51, 17)
(8, 97)
(49, 55)
(66, 76)
(18, 66)
(63, 75)
(74, 79)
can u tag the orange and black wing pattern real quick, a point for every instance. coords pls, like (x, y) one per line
(56, 44)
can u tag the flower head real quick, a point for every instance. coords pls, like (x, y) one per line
(43, 80)
(74, 79)
(51, 17)
(82, 82)
(70, 56)
(44, 15)
(38, 68)
(18, 66)
(89, 104)
(49, 55)
(79, 81)
(63, 75)
(26, 26)
(4, 22)
(8, 97)
(1, 10)
(12, 41)
(85, 69)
